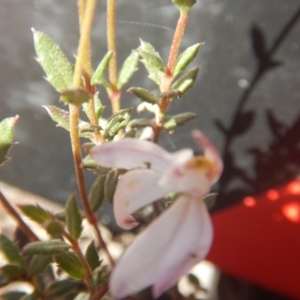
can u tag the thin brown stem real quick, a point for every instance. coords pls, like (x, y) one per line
(99, 294)
(180, 28)
(13, 213)
(81, 257)
(74, 117)
(115, 93)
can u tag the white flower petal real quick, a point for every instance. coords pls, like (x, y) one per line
(210, 152)
(131, 153)
(166, 250)
(135, 189)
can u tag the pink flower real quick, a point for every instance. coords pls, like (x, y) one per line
(181, 236)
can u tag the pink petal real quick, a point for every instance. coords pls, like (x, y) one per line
(131, 153)
(166, 250)
(210, 152)
(135, 189)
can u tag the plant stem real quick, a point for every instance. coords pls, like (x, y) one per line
(115, 93)
(12, 212)
(74, 117)
(101, 292)
(180, 28)
(81, 257)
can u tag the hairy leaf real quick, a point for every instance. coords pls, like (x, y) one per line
(128, 68)
(38, 264)
(60, 288)
(186, 81)
(96, 194)
(97, 77)
(69, 262)
(186, 58)
(144, 95)
(57, 67)
(92, 256)
(35, 213)
(6, 137)
(11, 251)
(110, 185)
(73, 218)
(51, 247)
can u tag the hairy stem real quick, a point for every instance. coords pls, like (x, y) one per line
(74, 117)
(12, 212)
(115, 93)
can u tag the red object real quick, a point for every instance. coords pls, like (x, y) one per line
(259, 240)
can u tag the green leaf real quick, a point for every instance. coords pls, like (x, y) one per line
(92, 256)
(54, 228)
(57, 67)
(100, 276)
(12, 271)
(116, 122)
(146, 46)
(154, 65)
(140, 123)
(152, 61)
(96, 194)
(35, 213)
(172, 122)
(13, 295)
(97, 104)
(33, 296)
(11, 251)
(210, 199)
(73, 218)
(111, 184)
(97, 77)
(60, 288)
(3, 280)
(144, 95)
(128, 68)
(186, 57)
(69, 263)
(51, 247)
(194, 280)
(38, 264)
(185, 82)
(74, 96)
(6, 137)
(172, 94)
(62, 118)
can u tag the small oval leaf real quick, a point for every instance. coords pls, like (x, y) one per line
(92, 256)
(38, 264)
(144, 95)
(11, 251)
(73, 96)
(110, 185)
(97, 77)
(96, 194)
(56, 66)
(186, 81)
(60, 288)
(35, 213)
(70, 264)
(128, 68)
(186, 58)
(6, 137)
(12, 271)
(73, 218)
(51, 247)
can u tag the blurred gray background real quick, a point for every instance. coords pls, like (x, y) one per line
(247, 94)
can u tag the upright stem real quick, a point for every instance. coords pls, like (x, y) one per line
(181, 24)
(111, 45)
(74, 117)
(180, 28)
